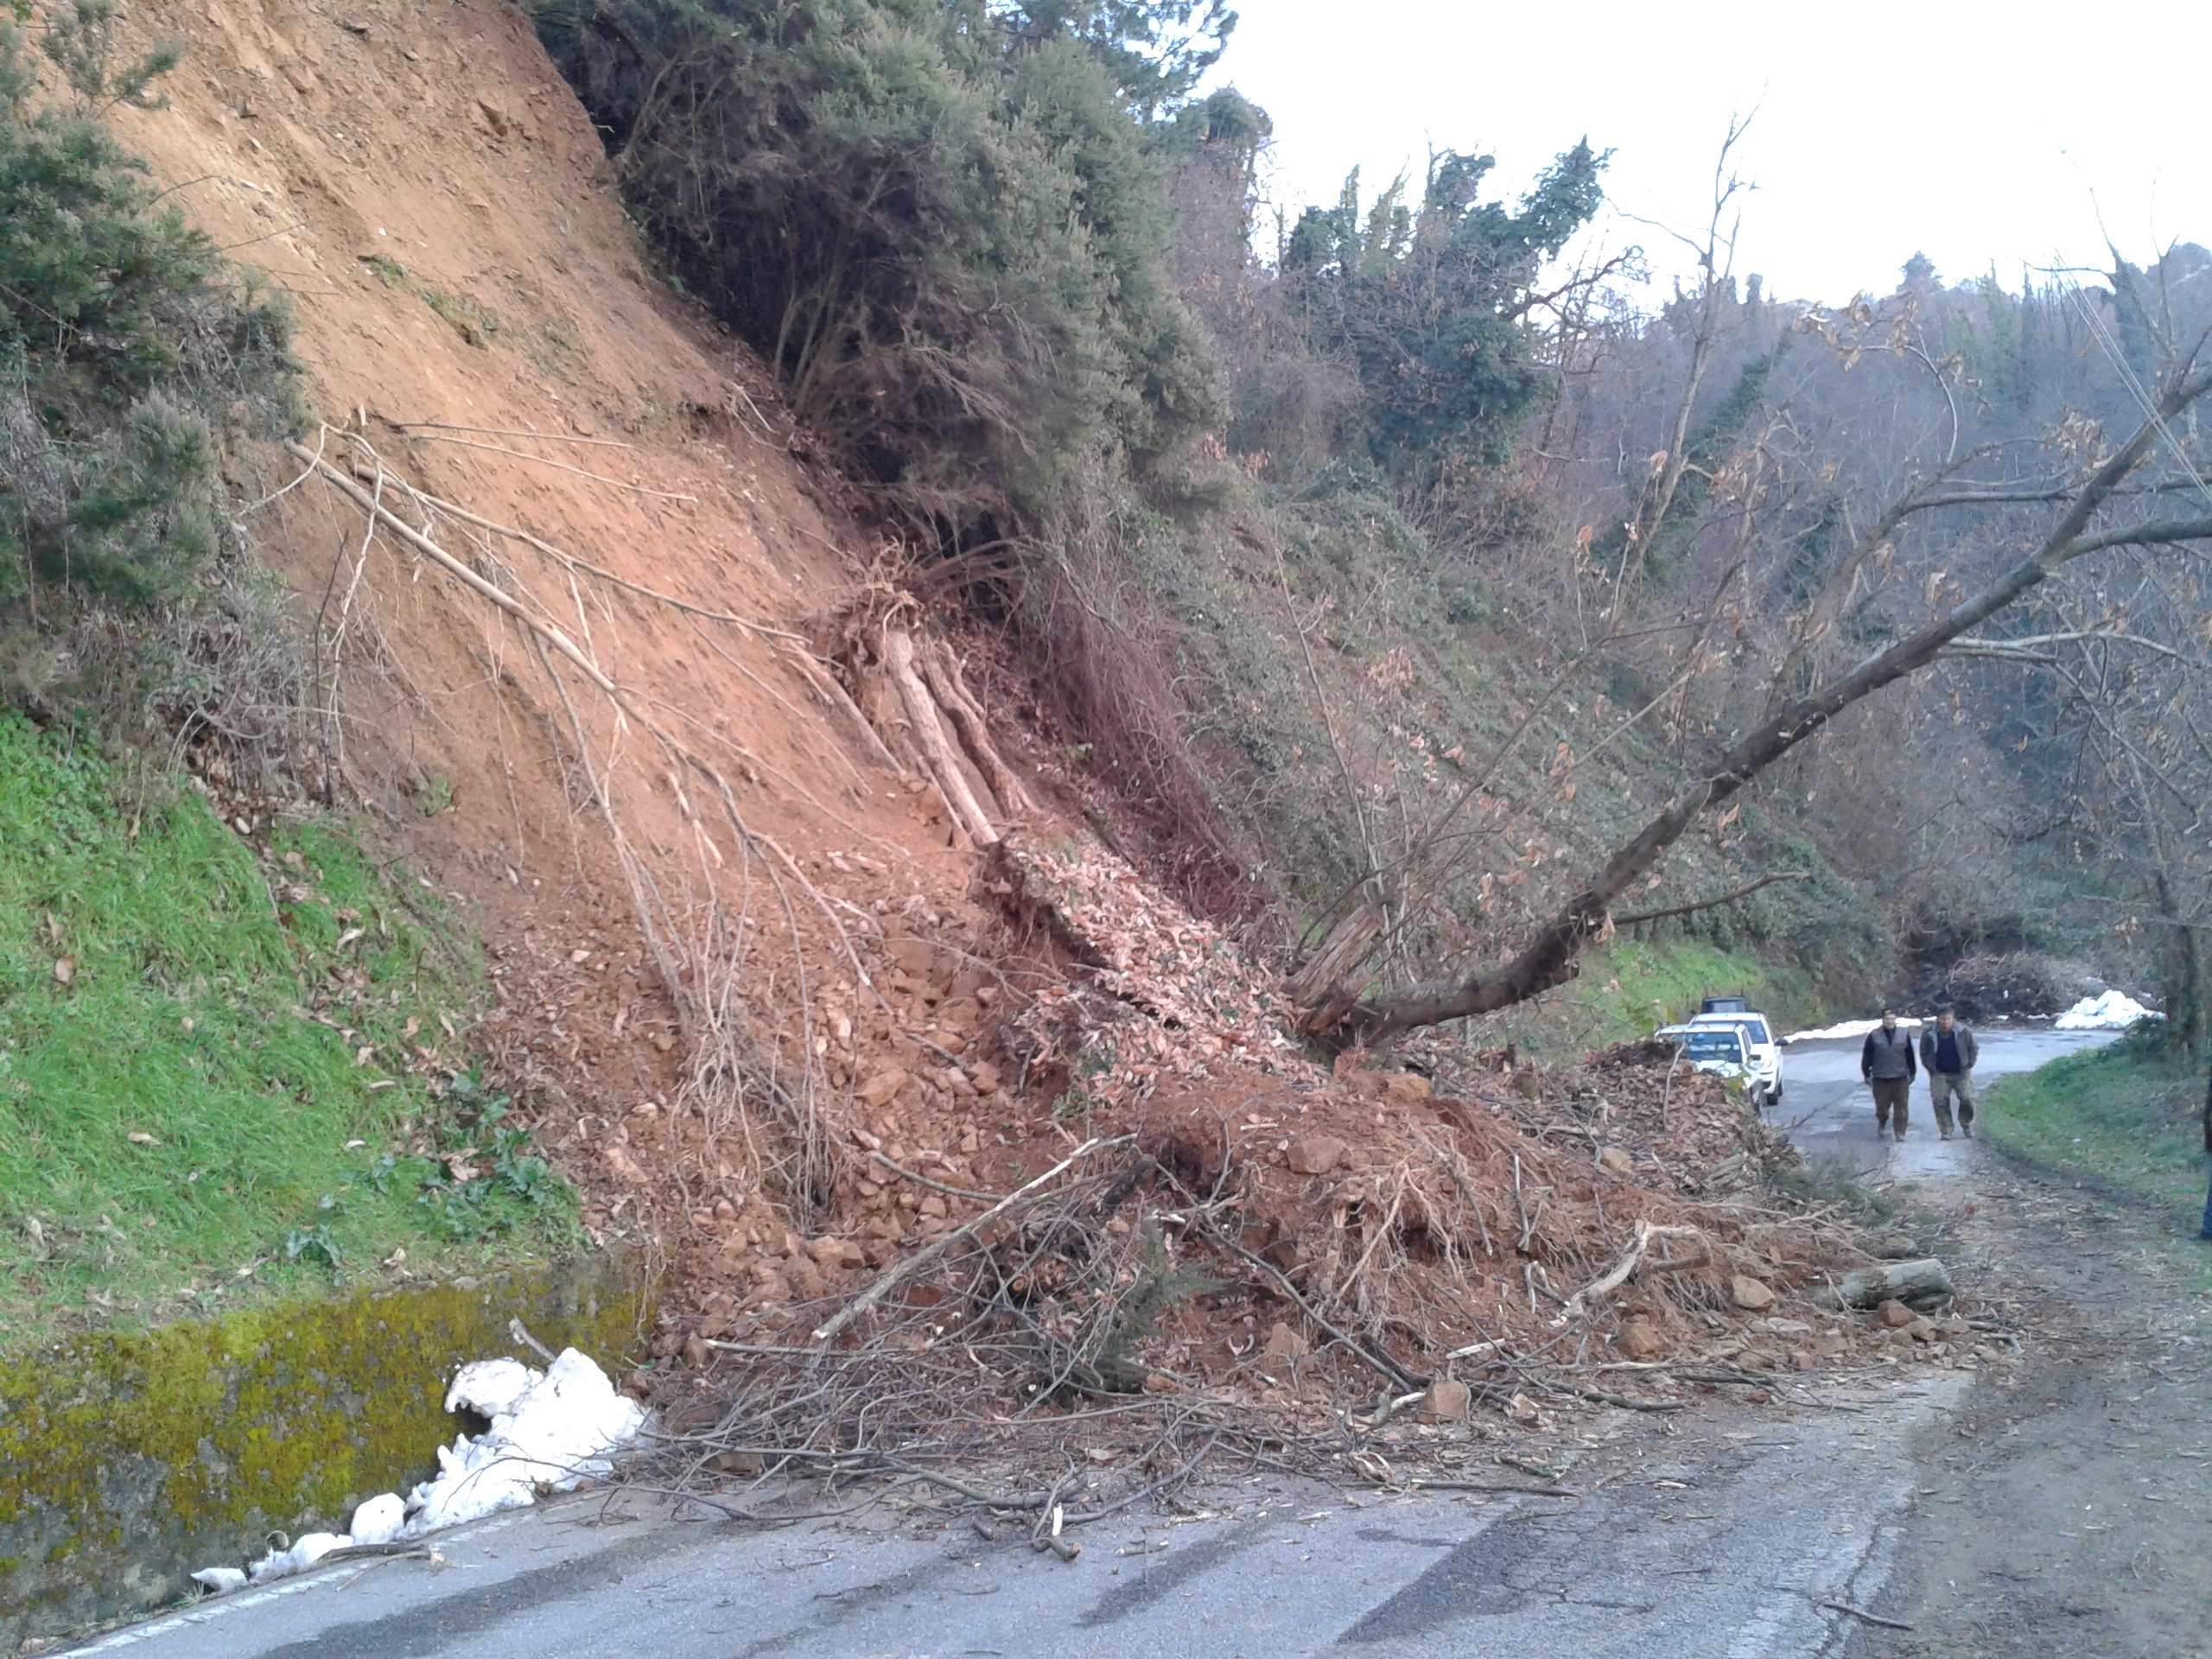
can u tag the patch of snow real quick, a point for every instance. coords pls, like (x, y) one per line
(2113, 1011)
(1850, 1028)
(551, 1430)
(489, 1387)
(380, 1520)
(283, 1563)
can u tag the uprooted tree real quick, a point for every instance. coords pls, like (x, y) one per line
(1799, 697)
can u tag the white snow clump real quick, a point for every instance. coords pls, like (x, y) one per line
(2113, 1011)
(1849, 1028)
(552, 1429)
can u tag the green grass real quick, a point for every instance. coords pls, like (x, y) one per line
(2125, 1114)
(1629, 988)
(228, 1068)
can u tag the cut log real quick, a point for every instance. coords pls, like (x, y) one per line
(928, 732)
(942, 675)
(1923, 1281)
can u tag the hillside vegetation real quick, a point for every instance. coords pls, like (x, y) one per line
(228, 1067)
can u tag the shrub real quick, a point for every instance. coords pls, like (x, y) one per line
(130, 350)
(943, 223)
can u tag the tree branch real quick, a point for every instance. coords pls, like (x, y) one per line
(1549, 958)
(1744, 892)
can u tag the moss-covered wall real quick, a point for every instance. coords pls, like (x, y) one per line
(128, 1461)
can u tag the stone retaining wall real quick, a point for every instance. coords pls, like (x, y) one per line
(127, 1461)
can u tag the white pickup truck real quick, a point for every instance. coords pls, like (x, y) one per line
(1736, 1045)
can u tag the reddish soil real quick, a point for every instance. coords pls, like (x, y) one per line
(482, 325)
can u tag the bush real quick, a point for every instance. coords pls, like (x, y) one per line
(130, 350)
(943, 223)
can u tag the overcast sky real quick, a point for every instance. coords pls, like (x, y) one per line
(1975, 133)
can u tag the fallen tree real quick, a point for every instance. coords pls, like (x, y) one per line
(1549, 957)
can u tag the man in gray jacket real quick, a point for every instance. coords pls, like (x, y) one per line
(1947, 1052)
(1885, 1061)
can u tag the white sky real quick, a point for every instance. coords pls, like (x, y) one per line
(1973, 132)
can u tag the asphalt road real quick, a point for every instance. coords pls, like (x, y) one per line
(1727, 1532)
(1723, 1538)
(1830, 1113)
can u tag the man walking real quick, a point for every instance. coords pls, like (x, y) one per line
(1947, 1052)
(1886, 1065)
(2205, 1232)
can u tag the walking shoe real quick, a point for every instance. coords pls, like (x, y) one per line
(1967, 1129)
(1947, 1135)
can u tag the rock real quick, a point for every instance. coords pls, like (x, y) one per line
(1896, 1314)
(879, 1090)
(1750, 1295)
(1405, 1085)
(1788, 1327)
(1316, 1155)
(1446, 1400)
(1641, 1340)
(932, 1205)
(1924, 1331)
(1283, 1342)
(841, 1252)
(696, 1351)
(1615, 1161)
(1523, 1410)
(1906, 1281)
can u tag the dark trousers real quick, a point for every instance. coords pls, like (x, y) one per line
(1891, 1098)
(1944, 1088)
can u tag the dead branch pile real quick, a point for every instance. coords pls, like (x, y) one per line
(1250, 1266)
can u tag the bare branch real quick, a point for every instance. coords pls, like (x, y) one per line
(1744, 892)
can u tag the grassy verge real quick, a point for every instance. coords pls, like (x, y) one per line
(1629, 988)
(2125, 1115)
(229, 1068)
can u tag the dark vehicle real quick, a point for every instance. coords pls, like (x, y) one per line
(1725, 1005)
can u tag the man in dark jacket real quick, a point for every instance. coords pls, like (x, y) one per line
(1886, 1064)
(2205, 1232)
(1947, 1052)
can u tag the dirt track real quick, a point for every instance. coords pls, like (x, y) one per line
(2064, 1509)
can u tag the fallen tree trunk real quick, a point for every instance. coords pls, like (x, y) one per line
(1551, 957)
(941, 671)
(1924, 1280)
(929, 734)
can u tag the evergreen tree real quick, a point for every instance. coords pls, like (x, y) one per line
(1432, 302)
(947, 228)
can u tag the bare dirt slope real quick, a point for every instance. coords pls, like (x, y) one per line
(423, 187)
(599, 671)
